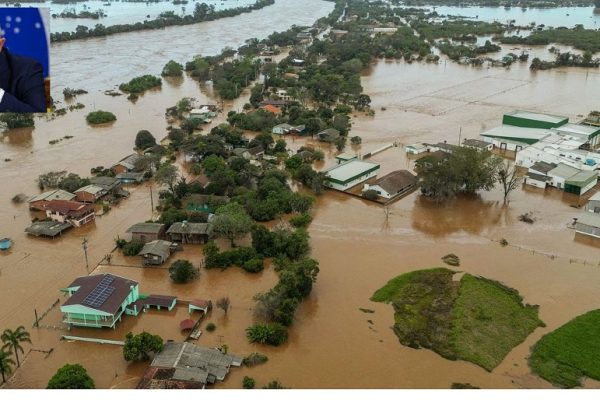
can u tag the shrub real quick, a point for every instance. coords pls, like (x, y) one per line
(301, 220)
(255, 359)
(71, 376)
(451, 259)
(182, 271)
(274, 385)
(172, 68)
(140, 84)
(273, 334)
(356, 140)
(248, 383)
(370, 194)
(210, 327)
(100, 117)
(133, 248)
(253, 265)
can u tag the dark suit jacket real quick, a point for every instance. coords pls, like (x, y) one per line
(22, 79)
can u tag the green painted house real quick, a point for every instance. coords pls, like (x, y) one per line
(99, 301)
(526, 119)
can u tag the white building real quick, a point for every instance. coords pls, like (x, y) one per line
(560, 174)
(593, 204)
(588, 224)
(344, 176)
(416, 148)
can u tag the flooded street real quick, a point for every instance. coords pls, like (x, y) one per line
(331, 344)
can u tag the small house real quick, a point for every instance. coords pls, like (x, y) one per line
(189, 232)
(478, 145)
(393, 184)
(40, 201)
(282, 129)
(127, 164)
(272, 109)
(416, 148)
(147, 231)
(98, 301)
(537, 175)
(156, 252)
(588, 224)
(110, 184)
(593, 204)
(73, 212)
(349, 174)
(328, 135)
(90, 193)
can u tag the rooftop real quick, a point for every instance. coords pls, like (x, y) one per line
(104, 292)
(130, 161)
(190, 228)
(396, 181)
(350, 170)
(93, 189)
(146, 227)
(536, 116)
(563, 171)
(582, 177)
(57, 194)
(543, 167)
(47, 228)
(105, 181)
(595, 197)
(579, 129)
(68, 207)
(588, 218)
(157, 247)
(480, 144)
(516, 132)
(346, 156)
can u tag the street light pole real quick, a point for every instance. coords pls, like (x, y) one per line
(84, 246)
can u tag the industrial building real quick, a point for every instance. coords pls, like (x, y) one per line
(344, 176)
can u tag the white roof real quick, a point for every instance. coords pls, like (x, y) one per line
(588, 218)
(516, 132)
(417, 146)
(346, 156)
(563, 171)
(350, 169)
(578, 129)
(536, 116)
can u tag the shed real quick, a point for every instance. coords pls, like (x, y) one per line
(48, 228)
(349, 174)
(127, 164)
(344, 157)
(527, 119)
(90, 193)
(155, 252)
(588, 224)
(189, 232)
(199, 305)
(160, 301)
(328, 135)
(147, 231)
(416, 148)
(536, 180)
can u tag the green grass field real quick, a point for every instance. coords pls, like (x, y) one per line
(569, 353)
(474, 319)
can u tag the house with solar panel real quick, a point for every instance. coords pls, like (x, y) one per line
(99, 301)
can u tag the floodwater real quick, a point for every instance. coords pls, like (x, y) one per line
(332, 344)
(123, 12)
(556, 17)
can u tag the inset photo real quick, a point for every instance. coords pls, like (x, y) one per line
(24, 60)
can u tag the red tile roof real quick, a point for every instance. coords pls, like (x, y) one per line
(69, 208)
(271, 109)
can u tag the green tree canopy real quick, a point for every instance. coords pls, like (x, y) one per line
(12, 340)
(183, 271)
(139, 347)
(144, 140)
(232, 222)
(71, 376)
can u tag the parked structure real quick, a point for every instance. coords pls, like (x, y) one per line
(40, 201)
(593, 204)
(48, 228)
(73, 212)
(147, 231)
(187, 366)
(393, 184)
(588, 224)
(349, 174)
(328, 135)
(99, 301)
(189, 232)
(90, 193)
(156, 252)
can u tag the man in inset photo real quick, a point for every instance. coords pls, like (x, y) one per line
(21, 83)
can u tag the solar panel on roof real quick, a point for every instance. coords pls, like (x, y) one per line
(100, 294)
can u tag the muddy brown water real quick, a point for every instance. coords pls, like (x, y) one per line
(332, 344)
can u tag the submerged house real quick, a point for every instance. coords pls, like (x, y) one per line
(156, 252)
(349, 174)
(127, 164)
(99, 301)
(73, 212)
(593, 204)
(189, 232)
(110, 184)
(187, 366)
(40, 201)
(90, 193)
(328, 135)
(147, 231)
(588, 224)
(393, 184)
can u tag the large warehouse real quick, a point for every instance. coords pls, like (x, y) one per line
(349, 174)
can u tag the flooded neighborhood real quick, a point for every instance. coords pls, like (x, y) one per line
(268, 163)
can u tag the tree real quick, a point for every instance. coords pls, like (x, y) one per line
(273, 334)
(13, 339)
(172, 68)
(71, 376)
(50, 180)
(363, 101)
(248, 382)
(340, 143)
(139, 347)
(508, 177)
(100, 117)
(167, 174)
(183, 271)
(224, 303)
(144, 140)
(232, 222)
(6, 364)
(72, 182)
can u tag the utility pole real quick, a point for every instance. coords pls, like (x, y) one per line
(459, 135)
(84, 247)
(151, 202)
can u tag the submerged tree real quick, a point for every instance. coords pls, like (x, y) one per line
(71, 376)
(139, 347)
(223, 303)
(12, 340)
(509, 178)
(231, 221)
